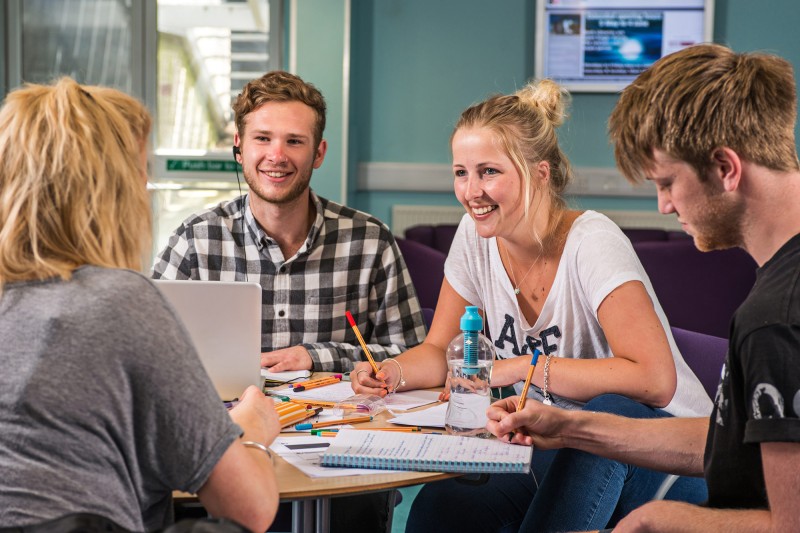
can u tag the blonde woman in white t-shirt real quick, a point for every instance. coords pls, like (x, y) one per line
(562, 281)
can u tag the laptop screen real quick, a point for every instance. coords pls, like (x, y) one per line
(224, 321)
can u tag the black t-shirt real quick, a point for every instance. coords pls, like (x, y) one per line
(758, 399)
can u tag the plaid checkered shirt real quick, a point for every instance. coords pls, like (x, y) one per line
(349, 262)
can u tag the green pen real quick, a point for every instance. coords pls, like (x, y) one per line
(318, 431)
(278, 396)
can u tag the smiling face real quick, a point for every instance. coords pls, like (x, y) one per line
(705, 210)
(486, 182)
(277, 151)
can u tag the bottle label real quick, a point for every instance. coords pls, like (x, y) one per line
(467, 410)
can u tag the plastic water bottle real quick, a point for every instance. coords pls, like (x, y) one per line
(470, 356)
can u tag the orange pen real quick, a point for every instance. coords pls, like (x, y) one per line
(321, 383)
(288, 407)
(310, 381)
(528, 378)
(314, 403)
(291, 418)
(361, 341)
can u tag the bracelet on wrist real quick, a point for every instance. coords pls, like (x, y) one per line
(400, 382)
(258, 446)
(545, 380)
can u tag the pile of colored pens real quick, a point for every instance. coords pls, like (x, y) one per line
(314, 383)
(290, 413)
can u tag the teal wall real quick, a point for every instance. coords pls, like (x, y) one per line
(320, 51)
(416, 64)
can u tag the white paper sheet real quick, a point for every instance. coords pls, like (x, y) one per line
(430, 417)
(338, 392)
(304, 453)
(286, 376)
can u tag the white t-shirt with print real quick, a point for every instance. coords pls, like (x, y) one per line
(597, 259)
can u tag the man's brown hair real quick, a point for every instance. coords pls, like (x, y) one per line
(279, 86)
(705, 97)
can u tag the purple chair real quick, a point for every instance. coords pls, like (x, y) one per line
(654, 234)
(644, 234)
(704, 354)
(438, 236)
(427, 313)
(426, 267)
(698, 291)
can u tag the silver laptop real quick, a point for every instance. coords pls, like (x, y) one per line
(224, 321)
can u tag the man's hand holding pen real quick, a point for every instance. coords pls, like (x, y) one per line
(536, 424)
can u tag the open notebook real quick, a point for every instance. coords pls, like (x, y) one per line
(224, 322)
(425, 452)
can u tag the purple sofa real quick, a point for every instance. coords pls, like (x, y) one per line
(698, 291)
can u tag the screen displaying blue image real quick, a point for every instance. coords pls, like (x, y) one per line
(602, 45)
(621, 43)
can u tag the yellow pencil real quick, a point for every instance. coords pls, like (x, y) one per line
(361, 340)
(528, 378)
(291, 418)
(310, 381)
(317, 384)
(315, 403)
(409, 429)
(288, 407)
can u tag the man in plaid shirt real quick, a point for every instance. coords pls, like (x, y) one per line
(315, 259)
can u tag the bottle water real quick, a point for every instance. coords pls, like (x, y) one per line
(470, 356)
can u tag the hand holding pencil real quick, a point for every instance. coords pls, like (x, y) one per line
(256, 415)
(360, 368)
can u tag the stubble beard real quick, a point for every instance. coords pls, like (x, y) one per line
(296, 189)
(720, 225)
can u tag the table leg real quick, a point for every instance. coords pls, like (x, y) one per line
(323, 514)
(302, 516)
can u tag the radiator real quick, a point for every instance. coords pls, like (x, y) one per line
(406, 216)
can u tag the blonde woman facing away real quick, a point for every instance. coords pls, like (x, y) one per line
(565, 282)
(106, 408)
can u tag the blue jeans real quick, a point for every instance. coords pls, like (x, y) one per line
(577, 491)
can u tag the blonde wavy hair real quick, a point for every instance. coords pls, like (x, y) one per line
(525, 124)
(72, 186)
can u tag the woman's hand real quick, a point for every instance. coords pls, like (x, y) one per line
(256, 415)
(363, 381)
(511, 371)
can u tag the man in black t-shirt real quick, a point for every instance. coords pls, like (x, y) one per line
(714, 131)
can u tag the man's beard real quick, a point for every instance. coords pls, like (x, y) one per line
(296, 189)
(720, 225)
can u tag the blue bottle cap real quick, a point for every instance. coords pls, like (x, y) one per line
(471, 320)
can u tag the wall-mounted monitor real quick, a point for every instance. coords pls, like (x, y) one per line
(602, 45)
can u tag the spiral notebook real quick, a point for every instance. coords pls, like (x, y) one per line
(425, 452)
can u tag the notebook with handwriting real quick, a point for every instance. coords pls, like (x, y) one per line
(426, 452)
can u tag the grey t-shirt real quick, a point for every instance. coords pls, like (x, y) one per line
(104, 405)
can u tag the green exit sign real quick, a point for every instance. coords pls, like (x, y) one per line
(200, 165)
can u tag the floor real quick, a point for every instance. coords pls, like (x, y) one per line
(401, 511)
